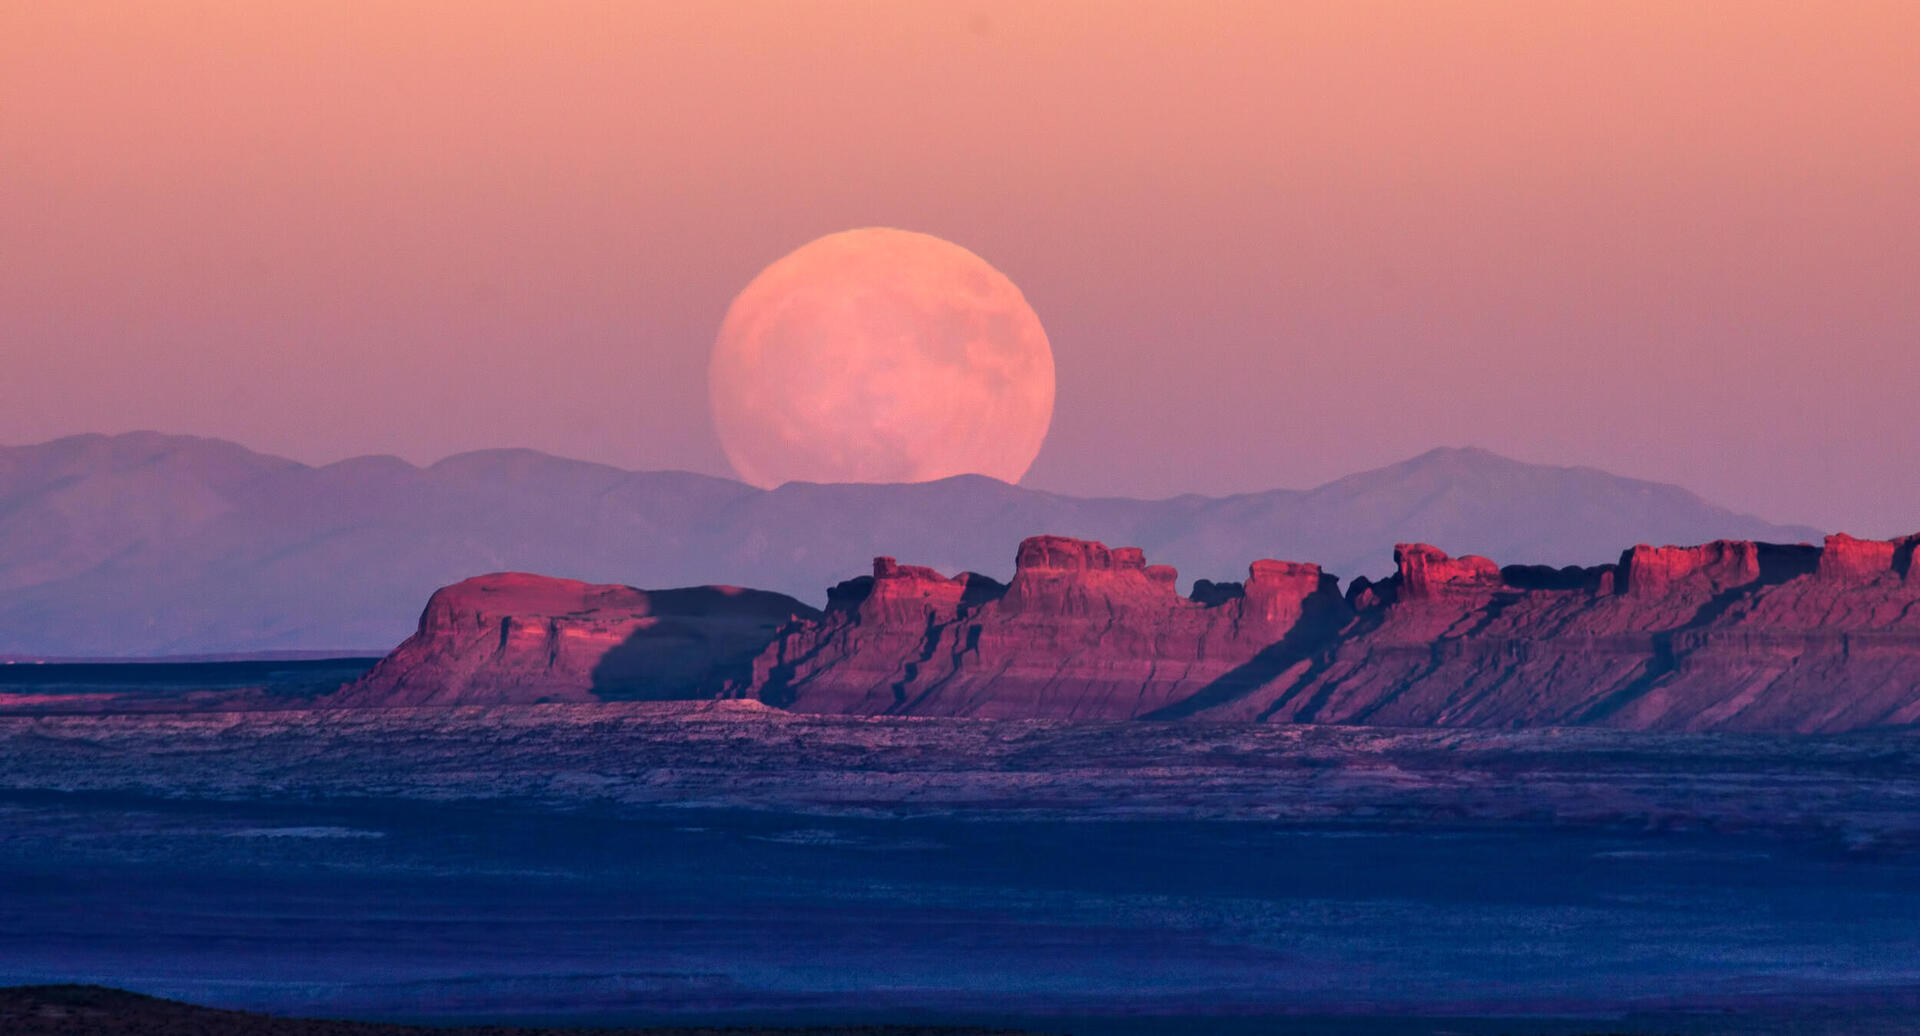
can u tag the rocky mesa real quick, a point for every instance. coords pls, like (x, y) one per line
(1729, 635)
(515, 638)
(1083, 631)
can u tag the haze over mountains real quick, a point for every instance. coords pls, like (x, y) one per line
(146, 544)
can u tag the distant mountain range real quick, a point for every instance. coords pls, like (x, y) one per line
(146, 544)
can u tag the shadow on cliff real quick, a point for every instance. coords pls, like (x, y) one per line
(1308, 641)
(700, 644)
(980, 590)
(1779, 563)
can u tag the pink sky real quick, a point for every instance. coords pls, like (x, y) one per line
(1271, 243)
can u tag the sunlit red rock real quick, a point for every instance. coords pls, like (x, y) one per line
(1730, 635)
(1427, 572)
(512, 638)
(1720, 565)
(1849, 560)
(1082, 630)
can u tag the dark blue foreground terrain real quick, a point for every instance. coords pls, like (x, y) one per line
(638, 864)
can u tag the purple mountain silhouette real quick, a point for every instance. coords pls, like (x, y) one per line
(146, 544)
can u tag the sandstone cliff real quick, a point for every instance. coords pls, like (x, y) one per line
(1729, 635)
(513, 638)
(1082, 631)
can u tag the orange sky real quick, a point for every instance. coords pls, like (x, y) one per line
(1271, 242)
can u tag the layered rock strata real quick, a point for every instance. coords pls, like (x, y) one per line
(1730, 635)
(1723, 636)
(512, 638)
(1082, 631)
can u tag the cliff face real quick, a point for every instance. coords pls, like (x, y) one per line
(1730, 635)
(513, 638)
(1724, 636)
(1082, 631)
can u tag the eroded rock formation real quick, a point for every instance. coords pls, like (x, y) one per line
(513, 638)
(1082, 631)
(1730, 635)
(1724, 636)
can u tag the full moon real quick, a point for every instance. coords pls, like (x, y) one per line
(880, 355)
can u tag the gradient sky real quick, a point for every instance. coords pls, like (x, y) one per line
(1272, 243)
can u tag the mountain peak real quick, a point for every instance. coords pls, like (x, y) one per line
(146, 544)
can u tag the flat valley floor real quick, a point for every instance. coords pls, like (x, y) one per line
(653, 864)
